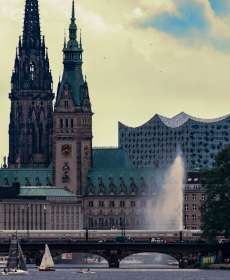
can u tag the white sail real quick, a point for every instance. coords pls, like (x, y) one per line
(47, 260)
(16, 264)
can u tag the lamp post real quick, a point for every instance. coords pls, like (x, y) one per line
(86, 233)
(27, 221)
(44, 209)
(123, 226)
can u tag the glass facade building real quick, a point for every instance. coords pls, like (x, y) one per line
(157, 142)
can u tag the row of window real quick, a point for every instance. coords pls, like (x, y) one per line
(31, 217)
(194, 196)
(194, 218)
(66, 123)
(186, 207)
(112, 204)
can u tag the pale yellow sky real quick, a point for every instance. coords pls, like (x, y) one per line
(133, 71)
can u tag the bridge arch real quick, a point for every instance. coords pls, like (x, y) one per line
(115, 258)
(114, 252)
(149, 259)
(89, 258)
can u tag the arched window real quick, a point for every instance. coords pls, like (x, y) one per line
(40, 144)
(61, 123)
(32, 71)
(66, 123)
(66, 104)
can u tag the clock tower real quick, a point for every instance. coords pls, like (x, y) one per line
(72, 134)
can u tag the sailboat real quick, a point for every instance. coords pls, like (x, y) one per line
(47, 263)
(16, 264)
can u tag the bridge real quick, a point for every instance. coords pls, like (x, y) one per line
(114, 251)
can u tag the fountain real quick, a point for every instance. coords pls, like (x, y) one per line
(166, 213)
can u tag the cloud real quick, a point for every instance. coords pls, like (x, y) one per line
(189, 18)
(220, 7)
(97, 23)
(193, 22)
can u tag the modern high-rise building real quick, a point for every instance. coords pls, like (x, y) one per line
(156, 143)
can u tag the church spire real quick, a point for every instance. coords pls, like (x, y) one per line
(73, 26)
(31, 31)
(73, 11)
(30, 129)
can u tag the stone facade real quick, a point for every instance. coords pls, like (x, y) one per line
(30, 129)
(126, 208)
(115, 212)
(194, 197)
(72, 137)
(33, 209)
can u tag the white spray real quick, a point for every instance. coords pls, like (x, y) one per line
(166, 213)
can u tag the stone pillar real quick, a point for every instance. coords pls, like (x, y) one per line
(113, 259)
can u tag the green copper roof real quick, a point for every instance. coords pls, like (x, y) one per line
(113, 169)
(72, 75)
(138, 179)
(26, 177)
(44, 192)
(74, 79)
(110, 158)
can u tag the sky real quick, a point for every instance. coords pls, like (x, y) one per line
(141, 57)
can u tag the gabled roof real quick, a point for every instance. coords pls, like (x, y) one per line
(74, 80)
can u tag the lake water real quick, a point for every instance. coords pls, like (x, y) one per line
(127, 274)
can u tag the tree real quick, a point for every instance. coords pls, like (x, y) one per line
(216, 209)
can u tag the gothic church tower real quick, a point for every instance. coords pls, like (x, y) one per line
(30, 129)
(72, 139)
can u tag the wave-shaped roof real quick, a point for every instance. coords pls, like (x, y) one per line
(182, 118)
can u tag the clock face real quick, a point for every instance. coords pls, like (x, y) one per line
(66, 150)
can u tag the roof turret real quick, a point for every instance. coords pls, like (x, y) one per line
(72, 77)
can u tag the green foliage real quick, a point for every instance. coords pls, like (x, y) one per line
(216, 209)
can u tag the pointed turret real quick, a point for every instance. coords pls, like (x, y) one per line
(73, 26)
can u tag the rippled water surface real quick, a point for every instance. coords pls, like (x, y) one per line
(127, 274)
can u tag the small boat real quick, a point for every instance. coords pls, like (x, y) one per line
(16, 264)
(86, 271)
(47, 263)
